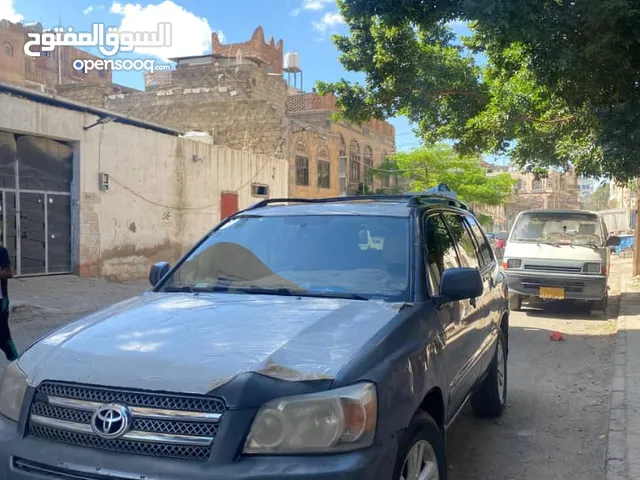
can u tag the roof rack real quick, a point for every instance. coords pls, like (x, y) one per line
(412, 199)
(381, 198)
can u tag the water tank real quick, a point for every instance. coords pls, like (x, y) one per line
(292, 62)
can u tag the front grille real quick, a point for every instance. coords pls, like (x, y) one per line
(553, 268)
(162, 425)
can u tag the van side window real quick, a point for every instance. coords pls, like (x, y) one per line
(462, 238)
(483, 244)
(441, 252)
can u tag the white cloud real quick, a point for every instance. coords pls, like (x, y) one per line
(330, 21)
(8, 12)
(190, 34)
(91, 8)
(316, 4)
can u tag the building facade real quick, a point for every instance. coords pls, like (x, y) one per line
(92, 192)
(43, 72)
(238, 96)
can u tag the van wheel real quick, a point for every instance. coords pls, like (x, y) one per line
(601, 304)
(515, 302)
(421, 452)
(491, 397)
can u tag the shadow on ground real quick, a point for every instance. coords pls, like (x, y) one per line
(556, 421)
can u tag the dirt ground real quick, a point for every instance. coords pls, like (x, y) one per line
(556, 422)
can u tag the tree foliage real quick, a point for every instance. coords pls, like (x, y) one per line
(429, 166)
(599, 199)
(561, 85)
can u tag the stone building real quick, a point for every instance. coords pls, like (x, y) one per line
(558, 190)
(237, 95)
(43, 72)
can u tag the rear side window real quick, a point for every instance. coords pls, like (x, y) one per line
(463, 240)
(486, 253)
(441, 252)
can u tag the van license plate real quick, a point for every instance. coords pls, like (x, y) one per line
(552, 293)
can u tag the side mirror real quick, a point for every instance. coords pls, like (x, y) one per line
(613, 241)
(158, 271)
(461, 284)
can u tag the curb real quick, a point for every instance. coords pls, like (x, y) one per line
(616, 461)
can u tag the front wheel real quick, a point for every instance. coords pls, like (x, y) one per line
(491, 397)
(421, 454)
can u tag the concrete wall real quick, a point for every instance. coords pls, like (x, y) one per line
(271, 53)
(164, 191)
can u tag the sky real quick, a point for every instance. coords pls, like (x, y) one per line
(304, 26)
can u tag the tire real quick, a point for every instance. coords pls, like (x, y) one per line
(423, 432)
(490, 398)
(600, 305)
(515, 302)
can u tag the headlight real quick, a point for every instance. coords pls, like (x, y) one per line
(334, 421)
(593, 268)
(512, 263)
(12, 390)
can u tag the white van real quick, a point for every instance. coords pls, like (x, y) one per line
(558, 254)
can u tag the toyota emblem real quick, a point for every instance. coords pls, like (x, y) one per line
(111, 421)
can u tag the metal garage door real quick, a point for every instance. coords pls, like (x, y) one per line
(35, 181)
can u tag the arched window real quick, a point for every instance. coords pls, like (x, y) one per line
(368, 163)
(342, 166)
(8, 49)
(302, 164)
(324, 168)
(537, 184)
(354, 162)
(385, 178)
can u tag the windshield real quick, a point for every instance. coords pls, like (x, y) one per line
(324, 255)
(558, 228)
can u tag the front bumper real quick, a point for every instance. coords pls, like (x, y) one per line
(576, 286)
(29, 458)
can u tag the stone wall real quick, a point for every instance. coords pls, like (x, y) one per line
(241, 106)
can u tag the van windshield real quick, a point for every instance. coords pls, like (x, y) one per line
(324, 255)
(560, 228)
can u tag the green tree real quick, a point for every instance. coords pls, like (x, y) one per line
(429, 166)
(598, 200)
(560, 86)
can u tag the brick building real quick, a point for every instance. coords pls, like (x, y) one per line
(47, 70)
(237, 94)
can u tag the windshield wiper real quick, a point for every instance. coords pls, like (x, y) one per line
(298, 293)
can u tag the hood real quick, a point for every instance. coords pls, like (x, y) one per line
(193, 343)
(541, 251)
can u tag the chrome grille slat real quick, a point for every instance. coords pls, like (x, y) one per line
(553, 268)
(162, 424)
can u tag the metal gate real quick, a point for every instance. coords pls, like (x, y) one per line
(35, 183)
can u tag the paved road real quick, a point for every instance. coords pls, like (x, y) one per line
(556, 422)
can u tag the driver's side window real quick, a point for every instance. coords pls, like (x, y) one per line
(440, 251)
